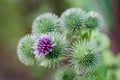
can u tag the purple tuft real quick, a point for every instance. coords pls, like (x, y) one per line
(43, 45)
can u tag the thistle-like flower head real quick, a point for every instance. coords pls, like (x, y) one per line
(45, 23)
(25, 51)
(85, 56)
(93, 20)
(43, 45)
(72, 19)
(52, 46)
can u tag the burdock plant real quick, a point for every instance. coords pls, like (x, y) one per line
(66, 43)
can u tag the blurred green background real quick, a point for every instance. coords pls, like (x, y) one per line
(16, 17)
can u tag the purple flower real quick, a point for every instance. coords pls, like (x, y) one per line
(43, 45)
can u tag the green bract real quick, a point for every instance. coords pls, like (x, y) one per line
(58, 52)
(25, 51)
(65, 73)
(47, 22)
(72, 19)
(85, 56)
(93, 20)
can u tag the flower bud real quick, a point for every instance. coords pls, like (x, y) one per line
(25, 51)
(45, 23)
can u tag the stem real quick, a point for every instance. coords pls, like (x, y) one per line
(90, 33)
(75, 36)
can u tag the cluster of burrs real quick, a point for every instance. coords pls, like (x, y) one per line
(69, 39)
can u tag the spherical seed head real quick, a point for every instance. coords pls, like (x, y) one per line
(72, 19)
(25, 51)
(44, 23)
(85, 56)
(43, 45)
(93, 20)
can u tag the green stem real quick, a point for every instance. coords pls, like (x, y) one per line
(90, 33)
(75, 36)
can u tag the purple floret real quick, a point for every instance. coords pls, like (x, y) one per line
(43, 45)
